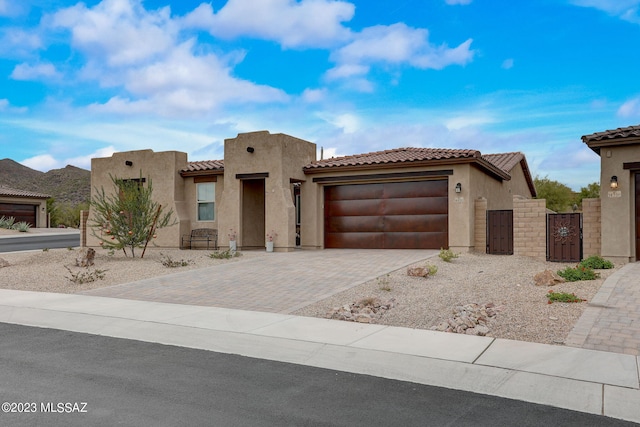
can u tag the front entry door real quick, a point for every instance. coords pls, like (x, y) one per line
(253, 215)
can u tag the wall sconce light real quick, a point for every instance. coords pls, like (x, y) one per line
(250, 150)
(614, 182)
(458, 188)
(128, 163)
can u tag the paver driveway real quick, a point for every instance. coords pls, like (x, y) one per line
(276, 282)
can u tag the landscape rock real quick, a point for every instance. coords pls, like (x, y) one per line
(547, 278)
(4, 263)
(86, 257)
(417, 272)
(470, 319)
(367, 310)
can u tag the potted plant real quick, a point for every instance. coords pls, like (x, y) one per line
(270, 236)
(233, 235)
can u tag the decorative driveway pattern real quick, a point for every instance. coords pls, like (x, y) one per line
(281, 282)
(612, 320)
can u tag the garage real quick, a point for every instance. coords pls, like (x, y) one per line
(21, 212)
(389, 215)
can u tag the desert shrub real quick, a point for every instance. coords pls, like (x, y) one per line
(596, 262)
(169, 262)
(7, 222)
(22, 226)
(578, 273)
(562, 297)
(85, 276)
(447, 255)
(432, 269)
(226, 254)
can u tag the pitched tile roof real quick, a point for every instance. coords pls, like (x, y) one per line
(619, 133)
(397, 155)
(203, 166)
(505, 161)
(12, 192)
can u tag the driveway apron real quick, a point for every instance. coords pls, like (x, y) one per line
(281, 282)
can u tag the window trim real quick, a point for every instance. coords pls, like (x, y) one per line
(199, 202)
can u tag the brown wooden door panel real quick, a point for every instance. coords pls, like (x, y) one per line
(354, 224)
(415, 189)
(387, 215)
(354, 192)
(353, 207)
(416, 206)
(20, 212)
(564, 237)
(416, 223)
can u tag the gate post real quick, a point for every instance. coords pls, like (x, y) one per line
(530, 227)
(591, 234)
(480, 225)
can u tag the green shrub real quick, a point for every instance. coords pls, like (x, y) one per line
(596, 262)
(226, 254)
(432, 269)
(447, 255)
(7, 222)
(22, 226)
(578, 273)
(562, 297)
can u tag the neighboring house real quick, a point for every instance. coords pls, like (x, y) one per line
(273, 184)
(22, 205)
(619, 152)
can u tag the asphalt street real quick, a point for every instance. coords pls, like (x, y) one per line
(71, 379)
(33, 241)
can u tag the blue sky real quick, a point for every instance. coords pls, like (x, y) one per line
(83, 80)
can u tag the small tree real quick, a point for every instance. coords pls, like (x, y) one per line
(129, 217)
(559, 197)
(591, 191)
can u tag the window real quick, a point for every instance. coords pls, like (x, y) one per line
(206, 200)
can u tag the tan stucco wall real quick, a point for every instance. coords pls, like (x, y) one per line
(617, 210)
(163, 169)
(190, 205)
(591, 227)
(41, 204)
(282, 157)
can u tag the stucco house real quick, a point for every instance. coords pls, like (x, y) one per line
(619, 152)
(22, 205)
(273, 184)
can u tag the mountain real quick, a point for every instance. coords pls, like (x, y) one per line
(69, 184)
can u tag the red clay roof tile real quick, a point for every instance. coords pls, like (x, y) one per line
(12, 192)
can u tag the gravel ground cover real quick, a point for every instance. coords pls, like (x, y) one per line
(506, 281)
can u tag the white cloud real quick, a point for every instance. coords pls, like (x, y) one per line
(631, 108)
(6, 106)
(396, 44)
(44, 162)
(507, 64)
(292, 23)
(10, 8)
(120, 31)
(313, 95)
(454, 2)
(34, 72)
(139, 54)
(18, 43)
(468, 120)
(84, 162)
(349, 123)
(627, 10)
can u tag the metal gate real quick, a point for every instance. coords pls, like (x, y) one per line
(564, 237)
(500, 232)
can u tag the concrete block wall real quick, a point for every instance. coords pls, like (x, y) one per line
(480, 225)
(84, 217)
(591, 229)
(530, 227)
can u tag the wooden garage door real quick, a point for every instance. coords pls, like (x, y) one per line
(394, 215)
(20, 212)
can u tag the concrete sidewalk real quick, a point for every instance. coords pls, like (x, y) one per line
(579, 379)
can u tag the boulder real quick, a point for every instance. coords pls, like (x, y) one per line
(4, 263)
(417, 272)
(547, 278)
(85, 257)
